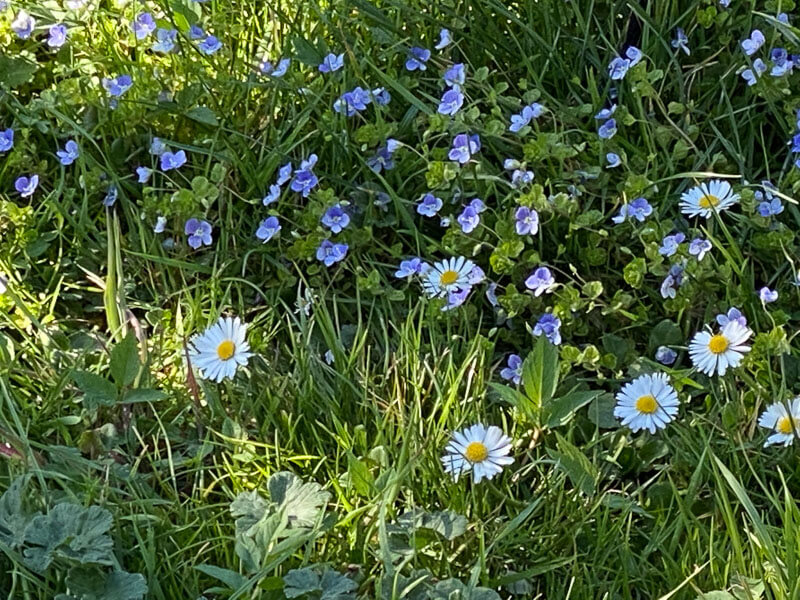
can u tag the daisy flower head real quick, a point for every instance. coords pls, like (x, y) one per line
(714, 353)
(480, 449)
(707, 198)
(447, 276)
(648, 402)
(783, 421)
(220, 349)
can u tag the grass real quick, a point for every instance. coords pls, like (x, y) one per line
(587, 510)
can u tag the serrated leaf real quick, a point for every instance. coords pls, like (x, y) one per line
(203, 114)
(561, 410)
(97, 391)
(91, 583)
(580, 471)
(17, 71)
(601, 412)
(299, 582)
(540, 372)
(303, 502)
(13, 518)
(446, 523)
(125, 360)
(360, 475)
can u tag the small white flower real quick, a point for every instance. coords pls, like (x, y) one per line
(447, 276)
(715, 353)
(221, 349)
(784, 423)
(707, 198)
(648, 402)
(482, 450)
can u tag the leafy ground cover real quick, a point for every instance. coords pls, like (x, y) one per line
(383, 299)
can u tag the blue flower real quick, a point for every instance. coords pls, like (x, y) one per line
(444, 39)
(117, 85)
(634, 55)
(57, 36)
(464, 146)
(456, 297)
(767, 295)
(111, 195)
(383, 157)
(530, 112)
(733, 314)
(173, 160)
(666, 356)
(331, 63)
(452, 101)
(272, 196)
(304, 178)
(210, 45)
(199, 233)
(639, 209)
(681, 41)
(698, 247)
(456, 75)
(196, 32)
(157, 147)
(165, 40)
(267, 68)
(549, 325)
(753, 43)
(26, 185)
(6, 140)
(673, 280)
(69, 154)
(783, 18)
(267, 229)
(781, 64)
(335, 218)
(520, 178)
(381, 96)
(469, 219)
(751, 75)
(540, 281)
(23, 25)
(608, 129)
(143, 25)
(329, 253)
(613, 160)
(410, 267)
(285, 173)
(353, 101)
(527, 221)
(513, 372)
(429, 205)
(491, 294)
(770, 208)
(476, 275)
(606, 113)
(417, 57)
(161, 224)
(670, 243)
(143, 175)
(618, 68)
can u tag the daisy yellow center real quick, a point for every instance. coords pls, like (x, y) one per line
(647, 404)
(448, 277)
(718, 344)
(226, 349)
(708, 201)
(787, 425)
(476, 452)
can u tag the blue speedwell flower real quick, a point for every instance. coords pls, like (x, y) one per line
(6, 140)
(752, 44)
(417, 59)
(770, 208)
(452, 101)
(469, 219)
(157, 147)
(69, 154)
(331, 63)
(196, 32)
(336, 218)
(57, 36)
(198, 232)
(304, 178)
(210, 45)
(670, 244)
(23, 25)
(383, 158)
(665, 355)
(698, 247)
(541, 281)
(527, 221)
(267, 229)
(352, 102)
(606, 113)
(429, 205)
(639, 209)
(618, 67)
(329, 253)
(752, 75)
(117, 86)
(26, 185)
(673, 280)
(273, 195)
(444, 39)
(161, 224)
(111, 195)
(608, 129)
(410, 267)
(513, 372)
(143, 25)
(681, 42)
(464, 146)
(143, 174)
(285, 173)
(520, 178)
(549, 326)
(767, 295)
(456, 75)
(165, 40)
(781, 62)
(381, 96)
(613, 160)
(271, 70)
(530, 112)
(172, 160)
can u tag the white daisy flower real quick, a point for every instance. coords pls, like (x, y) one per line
(447, 276)
(784, 423)
(648, 402)
(715, 353)
(482, 450)
(220, 349)
(705, 199)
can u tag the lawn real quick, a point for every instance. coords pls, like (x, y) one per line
(383, 299)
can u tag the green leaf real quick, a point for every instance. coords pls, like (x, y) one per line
(446, 523)
(230, 578)
(91, 583)
(299, 582)
(540, 372)
(561, 410)
(203, 114)
(601, 412)
(142, 395)
(581, 472)
(125, 360)
(302, 502)
(13, 518)
(332, 585)
(665, 333)
(360, 475)
(97, 391)
(17, 71)
(716, 595)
